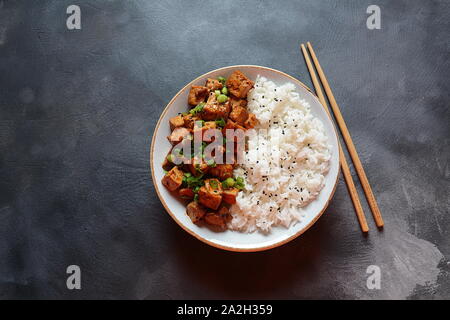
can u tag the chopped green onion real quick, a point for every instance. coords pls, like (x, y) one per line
(217, 93)
(240, 183)
(170, 158)
(197, 109)
(214, 184)
(194, 182)
(222, 80)
(211, 163)
(222, 98)
(220, 122)
(198, 169)
(229, 182)
(225, 90)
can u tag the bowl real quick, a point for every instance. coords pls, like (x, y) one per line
(235, 240)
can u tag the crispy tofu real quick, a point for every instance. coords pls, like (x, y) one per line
(213, 84)
(195, 211)
(176, 122)
(219, 218)
(210, 195)
(231, 125)
(239, 115)
(214, 185)
(189, 120)
(214, 110)
(167, 165)
(186, 193)
(198, 166)
(229, 195)
(208, 125)
(173, 179)
(251, 121)
(197, 94)
(221, 171)
(238, 84)
(237, 102)
(178, 134)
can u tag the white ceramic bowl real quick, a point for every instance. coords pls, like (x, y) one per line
(233, 240)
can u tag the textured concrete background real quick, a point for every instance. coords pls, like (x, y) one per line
(78, 108)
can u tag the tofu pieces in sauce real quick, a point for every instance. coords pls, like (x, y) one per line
(209, 188)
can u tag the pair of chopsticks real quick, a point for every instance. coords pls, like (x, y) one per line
(349, 143)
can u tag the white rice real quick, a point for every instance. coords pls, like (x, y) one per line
(287, 159)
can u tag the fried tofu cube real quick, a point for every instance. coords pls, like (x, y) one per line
(210, 195)
(198, 166)
(186, 193)
(197, 94)
(251, 121)
(238, 84)
(229, 195)
(208, 125)
(219, 218)
(189, 120)
(239, 115)
(173, 179)
(178, 134)
(176, 122)
(221, 171)
(213, 84)
(214, 110)
(232, 125)
(237, 102)
(195, 211)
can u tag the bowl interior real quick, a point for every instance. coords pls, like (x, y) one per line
(232, 240)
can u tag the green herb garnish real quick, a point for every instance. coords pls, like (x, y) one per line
(220, 122)
(211, 163)
(192, 181)
(198, 169)
(239, 183)
(228, 183)
(170, 158)
(214, 184)
(197, 109)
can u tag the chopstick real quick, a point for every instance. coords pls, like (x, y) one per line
(349, 142)
(344, 165)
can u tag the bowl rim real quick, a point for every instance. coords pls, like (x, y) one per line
(198, 236)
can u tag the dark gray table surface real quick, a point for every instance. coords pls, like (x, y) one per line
(77, 113)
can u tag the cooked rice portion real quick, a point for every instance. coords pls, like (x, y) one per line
(285, 164)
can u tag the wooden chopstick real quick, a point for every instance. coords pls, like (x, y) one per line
(344, 165)
(349, 142)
